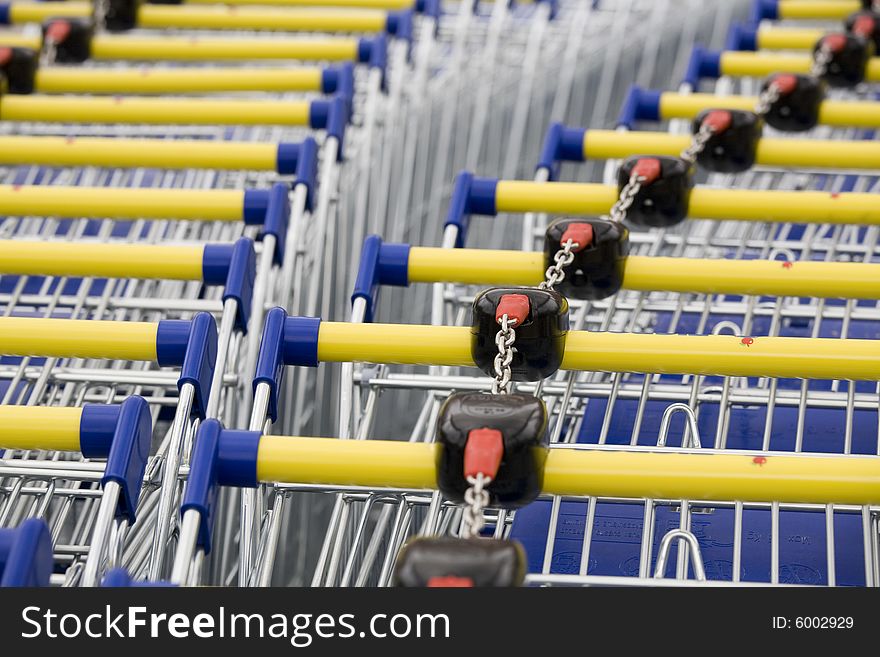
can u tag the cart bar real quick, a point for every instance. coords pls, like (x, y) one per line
(190, 345)
(262, 18)
(69, 80)
(773, 38)
(806, 9)
(159, 153)
(657, 475)
(811, 153)
(215, 17)
(157, 111)
(91, 338)
(853, 280)
(75, 338)
(661, 106)
(717, 63)
(103, 260)
(489, 196)
(87, 429)
(207, 48)
(32, 427)
(354, 4)
(209, 263)
(308, 341)
(121, 433)
(133, 203)
(714, 475)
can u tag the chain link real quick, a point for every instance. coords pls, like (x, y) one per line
(627, 196)
(504, 340)
(555, 274)
(99, 13)
(476, 498)
(50, 51)
(766, 99)
(698, 143)
(820, 62)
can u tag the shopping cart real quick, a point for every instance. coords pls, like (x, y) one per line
(634, 536)
(270, 209)
(715, 403)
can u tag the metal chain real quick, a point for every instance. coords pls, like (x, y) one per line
(625, 199)
(99, 13)
(563, 258)
(698, 143)
(50, 51)
(820, 62)
(766, 99)
(504, 340)
(476, 498)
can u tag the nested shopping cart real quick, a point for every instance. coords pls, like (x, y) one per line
(619, 539)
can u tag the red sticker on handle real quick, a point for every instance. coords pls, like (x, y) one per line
(748, 342)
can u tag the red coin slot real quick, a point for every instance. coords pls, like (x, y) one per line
(5, 56)
(581, 236)
(785, 83)
(515, 306)
(58, 31)
(648, 168)
(834, 42)
(450, 582)
(483, 452)
(864, 26)
(718, 120)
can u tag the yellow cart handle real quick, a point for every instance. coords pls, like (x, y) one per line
(155, 111)
(353, 4)
(771, 37)
(238, 49)
(708, 355)
(713, 475)
(95, 430)
(513, 196)
(128, 153)
(68, 80)
(807, 153)
(661, 274)
(208, 49)
(811, 9)
(855, 114)
(25, 258)
(737, 63)
(216, 17)
(74, 338)
(126, 203)
(32, 427)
